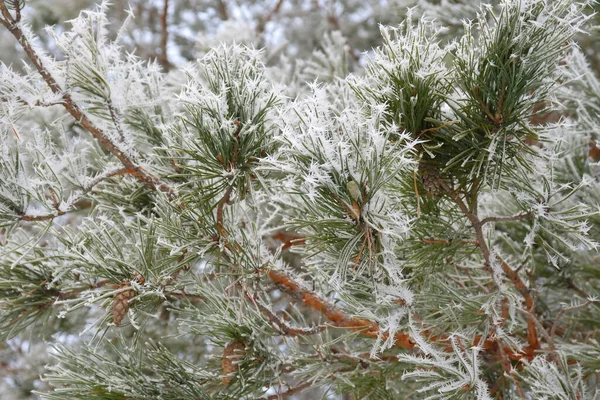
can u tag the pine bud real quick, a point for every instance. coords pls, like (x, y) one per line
(121, 303)
(232, 354)
(354, 190)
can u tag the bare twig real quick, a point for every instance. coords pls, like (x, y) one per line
(261, 27)
(222, 7)
(516, 217)
(532, 322)
(450, 242)
(164, 39)
(18, 10)
(116, 122)
(579, 291)
(475, 222)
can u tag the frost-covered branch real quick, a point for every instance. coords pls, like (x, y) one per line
(74, 200)
(408, 227)
(74, 109)
(334, 314)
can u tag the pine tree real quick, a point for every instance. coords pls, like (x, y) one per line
(305, 221)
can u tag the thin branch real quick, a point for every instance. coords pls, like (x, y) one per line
(289, 392)
(289, 239)
(510, 273)
(222, 7)
(282, 326)
(508, 370)
(261, 27)
(164, 38)
(113, 116)
(529, 303)
(85, 190)
(472, 217)
(75, 110)
(450, 242)
(335, 315)
(560, 314)
(516, 217)
(538, 324)
(18, 10)
(571, 285)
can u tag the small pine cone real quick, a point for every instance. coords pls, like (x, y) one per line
(121, 303)
(232, 354)
(431, 179)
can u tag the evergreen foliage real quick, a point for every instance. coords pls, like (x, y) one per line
(420, 222)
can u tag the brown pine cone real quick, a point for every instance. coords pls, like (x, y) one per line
(121, 303)
(232, 354)
(431, 179)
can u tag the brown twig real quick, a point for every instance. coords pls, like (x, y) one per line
(335, 315)
(529, 303)
(261, 27)
(506, 367)
(164, 38)
(519, 216)
(17, 10)
(222, 7)
(282, 326)
(289, 239)
(115, 119)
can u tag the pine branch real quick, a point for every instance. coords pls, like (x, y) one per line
(75, 110)
(85, 191)
(512, 275)
(529, 303)
(561, 314)
(283, 327)
(335, 315)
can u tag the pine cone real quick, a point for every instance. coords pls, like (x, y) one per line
(121, 303)
(232, 354)
(431, 179)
